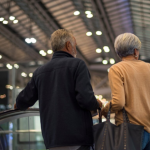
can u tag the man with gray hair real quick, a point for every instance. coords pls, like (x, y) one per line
(65, 96)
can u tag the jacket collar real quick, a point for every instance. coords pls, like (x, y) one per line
(60, 54)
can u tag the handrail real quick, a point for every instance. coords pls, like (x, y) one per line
(15, 114)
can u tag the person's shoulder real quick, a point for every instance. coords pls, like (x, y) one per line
(116, 66)
(40, 69)
(77, 61)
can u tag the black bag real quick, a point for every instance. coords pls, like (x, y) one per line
(126, 136)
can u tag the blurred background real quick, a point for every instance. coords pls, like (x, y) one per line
(25, 30)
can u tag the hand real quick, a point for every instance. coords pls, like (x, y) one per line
(15, 106)
(103, 113)
(100, 103)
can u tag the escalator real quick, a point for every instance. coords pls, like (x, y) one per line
(21, 130)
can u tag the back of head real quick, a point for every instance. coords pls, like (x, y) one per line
(59, 38)
(126, 43)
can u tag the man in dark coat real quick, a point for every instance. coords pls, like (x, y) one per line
(65, 96)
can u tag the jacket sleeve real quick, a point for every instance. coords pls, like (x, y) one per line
(116, 82)
(84, 92)
(28, 96)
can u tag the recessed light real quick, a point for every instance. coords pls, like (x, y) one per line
(30, 75)
(11, 18)
(105, 62)
(1, 18)
(88, 12)
(33, 40)
(28, 40)
(106, 49)
(98, 50)
(16, 66)
(49, 51)
(89, 16)
(98, 32)
(5, 22)
(89, 33)
(23, 74)
(112, 61)
(76, 13)
(15, 21)
(9, 66)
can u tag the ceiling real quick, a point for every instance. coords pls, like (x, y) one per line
(40, 18)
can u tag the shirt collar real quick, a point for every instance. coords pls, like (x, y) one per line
(60, 54)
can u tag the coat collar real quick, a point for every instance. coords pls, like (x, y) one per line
(60, 54)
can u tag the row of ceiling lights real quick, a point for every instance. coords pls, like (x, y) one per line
(30, 40)
(23, 74)
(43, 53)
(89, 33)
(88, 13)
(105, 48)
(111, 61)
(12, 18)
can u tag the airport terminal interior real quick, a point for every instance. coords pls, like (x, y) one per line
(25, 30)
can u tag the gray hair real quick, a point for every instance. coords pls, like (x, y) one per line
(60, 37)
(126, 43)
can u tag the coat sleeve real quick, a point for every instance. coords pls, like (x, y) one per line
(116, 83)
(84, 92)
(28, 96)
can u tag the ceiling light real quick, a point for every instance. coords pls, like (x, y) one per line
(87, 12)
(23, 74)
(28, 40)
(5, 22)
(98, 32)
(106, 49)
(0, 56)
(49, 51)
(98, 50)
(89, 16)
(33, 40)
(11, 87)
(30, 75)
(42, 52)
(1, 18)
(89, 33)
(11, 18)
(9, 66)
(105, 62)
(112, 61)
(16, 66)
(15, 21)
(76, 13)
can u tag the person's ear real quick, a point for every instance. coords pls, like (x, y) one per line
(135, 53)
(68, 46)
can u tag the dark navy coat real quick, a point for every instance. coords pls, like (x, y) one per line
(65, 96)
